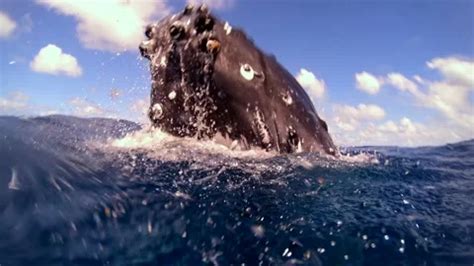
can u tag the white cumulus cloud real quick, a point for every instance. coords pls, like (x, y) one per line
(404, 132)
(450, 96)
(13, 102)
(402, 83)
(455, 70)
(368, 83)
(138, 110)
(110, 25)
(348, 117)
(83, 107)
(52, 60)
(8, 25)
(314, 87)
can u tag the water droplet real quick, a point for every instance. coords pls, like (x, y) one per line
(333, 243)
(307, 255)
(149, 227)
(386, 237)
(258, 231)
(364, 237)
(346, 257)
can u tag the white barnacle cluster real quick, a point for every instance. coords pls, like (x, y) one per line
(247, 72)
(261, 127)
(227, 28)
(172, 95)
(163, 61)
(157, 111)
(287, 99)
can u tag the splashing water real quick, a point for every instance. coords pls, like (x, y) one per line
(100, 191)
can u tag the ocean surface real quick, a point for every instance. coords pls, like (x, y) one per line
(77, 191)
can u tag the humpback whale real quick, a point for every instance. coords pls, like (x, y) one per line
(210, 81)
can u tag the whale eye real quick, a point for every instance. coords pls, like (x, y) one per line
(247, 72)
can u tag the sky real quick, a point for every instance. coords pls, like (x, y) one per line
(379, 72)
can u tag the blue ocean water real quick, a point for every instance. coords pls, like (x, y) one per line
(77, 191)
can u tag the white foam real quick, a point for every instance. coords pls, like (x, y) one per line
(165, 146)
(360, 158)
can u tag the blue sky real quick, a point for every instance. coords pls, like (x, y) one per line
(380, 72)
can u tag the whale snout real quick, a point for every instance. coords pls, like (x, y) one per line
(148, 46)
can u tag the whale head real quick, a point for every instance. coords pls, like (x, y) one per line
(210, 79)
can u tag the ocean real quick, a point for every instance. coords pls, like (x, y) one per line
(77, 191)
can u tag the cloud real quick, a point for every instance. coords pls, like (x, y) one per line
(216, 4)
(8, 25)
(348, 117)
(402, 83)
(83, 107)
(18, 103)
(404, 132)
(140, 106)
(313, 86)
(110, 25)
(450, 96)
(455, 70)
(13, 102)
(138, 110)
(51, 59)
(368, 83)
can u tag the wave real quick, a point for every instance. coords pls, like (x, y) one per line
(102, 191)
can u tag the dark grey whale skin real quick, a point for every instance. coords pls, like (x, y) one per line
(202, 86)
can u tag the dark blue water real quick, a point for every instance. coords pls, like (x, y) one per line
(69, 194)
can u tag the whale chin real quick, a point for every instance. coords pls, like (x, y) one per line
(210, 81)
